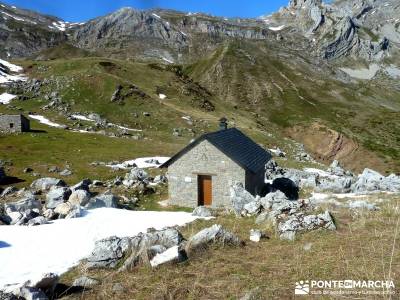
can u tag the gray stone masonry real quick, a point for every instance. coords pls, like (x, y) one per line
(14, 123)
(204, 159)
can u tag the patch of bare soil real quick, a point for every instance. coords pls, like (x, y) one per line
(326, 145)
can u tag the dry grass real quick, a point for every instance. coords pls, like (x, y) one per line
(363, 248)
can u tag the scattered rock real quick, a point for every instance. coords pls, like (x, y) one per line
(22, 205)
(108, 252)
(9, 191)
(79, 197)
(66, 172)
(256, 235)
(173, 254)
(213, 234)
(82, 185)
(44, 184)
(239, 197)
(31, 293)
(300, 223)
(252, 208)
(201, 211)
(40, 220)
(103, 200)
(118, 288)
(371, 180)
(85, 282)
(56, 196)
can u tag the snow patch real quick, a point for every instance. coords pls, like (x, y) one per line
(12, 67)
(45, 121)
(6, 98)
(320, 172)
(364, 73)
(162, 96)
(82, 118)
(278, 28)
(167, 60)
(31, 251)
(142, 162)
(166, 256)
(155, 15)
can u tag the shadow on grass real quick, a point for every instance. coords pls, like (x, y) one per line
(11, 180)
(63, 290)
(37, 131)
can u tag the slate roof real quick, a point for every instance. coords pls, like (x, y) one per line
(234, 144)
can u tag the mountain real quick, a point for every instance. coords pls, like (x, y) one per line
(324, 74)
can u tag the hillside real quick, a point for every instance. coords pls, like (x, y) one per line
(259, 73)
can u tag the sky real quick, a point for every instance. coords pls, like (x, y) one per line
(83, 10)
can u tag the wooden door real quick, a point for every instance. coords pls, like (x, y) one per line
(204, 190)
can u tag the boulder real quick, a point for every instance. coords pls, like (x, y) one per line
(211, 235)
(9, 191)
(256, 235)
(108, 252)
(288, 236)
(44, 184)
(136, 174)
(336, 169)
(49, 214)
(239, 197)
(9, 296)
(337, 185)
(103, 200)
(173, 254)
(22, 205)
(27, 215)
(85, 282)
(272, 170)
(40, 220)
(65, 172)
(201, 211)
(79, 197)
(145, 246)
(63, 209)
(271, 200)
(82, 185)
(252, 208)
(300, 223)
(31, 293)
(56, 196)
(75, 212)
(370, 181)
(160, 179)
(14, 217)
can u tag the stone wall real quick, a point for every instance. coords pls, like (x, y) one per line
(13, 123)
(204, 159)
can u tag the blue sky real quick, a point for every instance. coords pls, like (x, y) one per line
(82, 10)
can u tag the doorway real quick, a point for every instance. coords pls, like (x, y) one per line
(204, 190)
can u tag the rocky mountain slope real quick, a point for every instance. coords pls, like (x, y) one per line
(310, 68)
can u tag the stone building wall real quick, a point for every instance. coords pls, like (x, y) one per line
(13, 123)
(204, 159)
